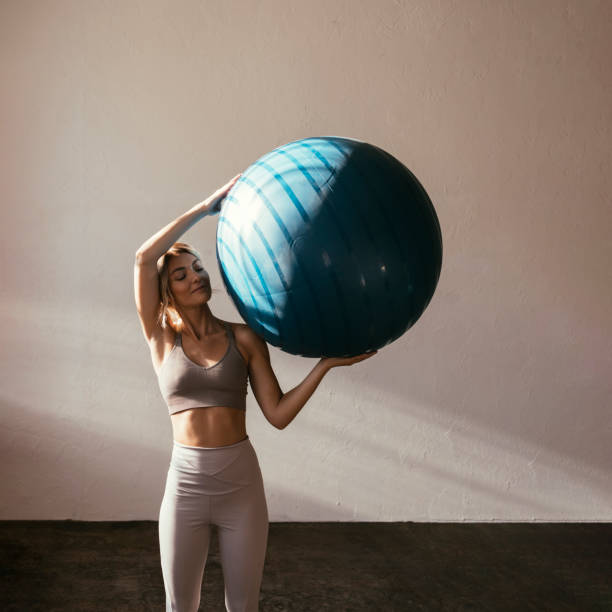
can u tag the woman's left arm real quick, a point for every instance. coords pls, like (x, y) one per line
(278, 407)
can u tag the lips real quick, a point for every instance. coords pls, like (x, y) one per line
(200, 287)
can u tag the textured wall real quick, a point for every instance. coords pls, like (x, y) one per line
(119, 116)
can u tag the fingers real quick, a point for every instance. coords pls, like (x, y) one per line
(229, 185)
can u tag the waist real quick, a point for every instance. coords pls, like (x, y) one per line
(213, 426)
(213, 448)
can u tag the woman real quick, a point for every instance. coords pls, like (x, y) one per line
(203, 364)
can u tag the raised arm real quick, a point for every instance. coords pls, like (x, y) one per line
(146, 283)
(153, 248)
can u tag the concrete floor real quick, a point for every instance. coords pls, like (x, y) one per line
(67, 565)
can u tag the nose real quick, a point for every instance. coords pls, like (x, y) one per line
(198, 279)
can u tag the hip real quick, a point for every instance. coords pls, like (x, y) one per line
(215, 470)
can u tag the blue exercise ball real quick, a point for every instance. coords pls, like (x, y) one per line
(329, 246)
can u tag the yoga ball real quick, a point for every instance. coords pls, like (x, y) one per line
(329, 246)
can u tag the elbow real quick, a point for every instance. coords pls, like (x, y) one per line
(145, 254)
(279, 424)
(140, 257)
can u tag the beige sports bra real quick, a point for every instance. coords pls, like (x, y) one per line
(186, 384)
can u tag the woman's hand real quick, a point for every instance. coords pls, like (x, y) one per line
(212, 204)
(332, 362)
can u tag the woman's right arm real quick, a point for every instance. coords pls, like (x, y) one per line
(146, 283)
(152, 249)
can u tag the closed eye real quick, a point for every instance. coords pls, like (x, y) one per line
(183, 277)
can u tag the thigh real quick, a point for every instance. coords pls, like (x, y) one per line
(242, 520)
(184, 536)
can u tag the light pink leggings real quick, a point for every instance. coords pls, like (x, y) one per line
(219, 486)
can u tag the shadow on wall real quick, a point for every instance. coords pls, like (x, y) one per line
(439, 470)
(109, 477)
(375, 435)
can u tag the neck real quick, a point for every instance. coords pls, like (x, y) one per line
(200, 322)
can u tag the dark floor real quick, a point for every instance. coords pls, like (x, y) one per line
(68, 565)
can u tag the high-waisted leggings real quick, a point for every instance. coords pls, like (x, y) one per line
(219, 486)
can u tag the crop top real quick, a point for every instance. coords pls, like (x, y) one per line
(186, 384)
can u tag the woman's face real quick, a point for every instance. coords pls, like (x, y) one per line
(189, 281)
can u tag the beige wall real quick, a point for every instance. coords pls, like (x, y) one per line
(118, 116)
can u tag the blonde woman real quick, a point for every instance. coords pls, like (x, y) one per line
(203, 365)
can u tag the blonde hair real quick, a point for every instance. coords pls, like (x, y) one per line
(169, 315)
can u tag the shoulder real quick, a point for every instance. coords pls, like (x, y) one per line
(252, 343)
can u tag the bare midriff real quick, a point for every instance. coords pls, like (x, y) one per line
(210, 426)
